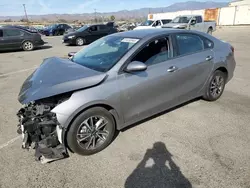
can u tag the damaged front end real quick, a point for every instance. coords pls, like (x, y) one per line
(38, 126)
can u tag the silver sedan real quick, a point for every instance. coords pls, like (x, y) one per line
(79, 103)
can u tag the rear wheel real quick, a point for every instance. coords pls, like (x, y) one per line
(210, 31)
(91, 131)
(80, 41)
(215, 86)
(28, 46)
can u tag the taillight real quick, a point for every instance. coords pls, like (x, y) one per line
(232, 48)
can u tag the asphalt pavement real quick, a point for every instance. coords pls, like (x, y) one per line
(200, 144)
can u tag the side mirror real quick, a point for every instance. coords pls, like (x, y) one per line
(193, 22)
(135, 66)
(71, 54)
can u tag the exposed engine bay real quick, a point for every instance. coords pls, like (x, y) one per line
(38, 125)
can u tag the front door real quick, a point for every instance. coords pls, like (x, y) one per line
(94, 33)
(145, 93)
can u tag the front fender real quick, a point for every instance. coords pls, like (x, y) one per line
(97, 96)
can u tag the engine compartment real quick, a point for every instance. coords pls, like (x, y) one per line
(37, 125)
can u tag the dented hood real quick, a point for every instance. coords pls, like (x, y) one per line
(56, 76)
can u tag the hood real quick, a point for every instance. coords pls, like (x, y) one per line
(71, 33)
(143, 27)
(175, 25)
(57, 76)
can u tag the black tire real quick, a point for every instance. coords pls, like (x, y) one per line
(73, 140)
(28, 46)
(210, 31)
(80, 41)
(214, 90)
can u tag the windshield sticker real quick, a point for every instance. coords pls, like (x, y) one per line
(130, 40)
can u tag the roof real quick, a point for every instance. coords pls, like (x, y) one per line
(145, 32)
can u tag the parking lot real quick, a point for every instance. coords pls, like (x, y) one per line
(200, 144)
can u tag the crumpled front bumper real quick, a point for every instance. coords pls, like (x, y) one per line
(45, 136)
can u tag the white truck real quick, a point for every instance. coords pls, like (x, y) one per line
(191, 22)
(149, 24)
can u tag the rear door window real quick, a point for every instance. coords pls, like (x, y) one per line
(189, 43)
(1, 33)
(12, 33)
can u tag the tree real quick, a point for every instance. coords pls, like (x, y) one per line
(62, 20)
(112, 17)
(24, 20)
(8, 20)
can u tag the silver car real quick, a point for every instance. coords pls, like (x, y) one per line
(79, 103)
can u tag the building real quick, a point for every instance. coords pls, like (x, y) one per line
(239, 3)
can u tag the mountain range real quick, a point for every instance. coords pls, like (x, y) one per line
(123, 14)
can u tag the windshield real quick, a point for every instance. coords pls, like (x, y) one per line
(147, 23)
(181, 19)
(104, 53)
(82, 28)
(52, 26)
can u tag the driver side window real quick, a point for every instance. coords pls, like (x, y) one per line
(93, 28)
(154, 52)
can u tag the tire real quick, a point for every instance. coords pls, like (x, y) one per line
(84, 141)
(80, 41)
(210, 31)
(215, 86)
(28, 46)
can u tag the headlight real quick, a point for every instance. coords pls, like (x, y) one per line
(71, 37)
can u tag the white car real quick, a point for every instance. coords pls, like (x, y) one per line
(150, 24)
(192, 22)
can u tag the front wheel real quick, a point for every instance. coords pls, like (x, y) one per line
(80, 41)
(215, 86)
(91, 131)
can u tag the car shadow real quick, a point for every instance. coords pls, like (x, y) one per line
(158, 170)
(20, 50)
(159, 114)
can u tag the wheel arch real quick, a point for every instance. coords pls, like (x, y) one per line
(223, 69)
(111, 109)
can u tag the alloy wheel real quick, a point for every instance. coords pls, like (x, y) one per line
(217, 86)
(92, 133)
(80, 42)
(28, 46)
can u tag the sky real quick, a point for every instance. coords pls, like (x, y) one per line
(39, 7)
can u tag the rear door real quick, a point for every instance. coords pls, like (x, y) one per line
(104, 30)
(193, 62)
(13, 37)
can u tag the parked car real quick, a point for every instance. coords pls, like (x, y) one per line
(14, 37)
(80, 102)
(192, 22)
(88, 34)
(150, 24)
(56, 29)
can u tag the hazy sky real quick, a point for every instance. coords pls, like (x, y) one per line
(14, 7)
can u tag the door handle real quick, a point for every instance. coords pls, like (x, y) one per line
(172, 69)
(208, 58)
